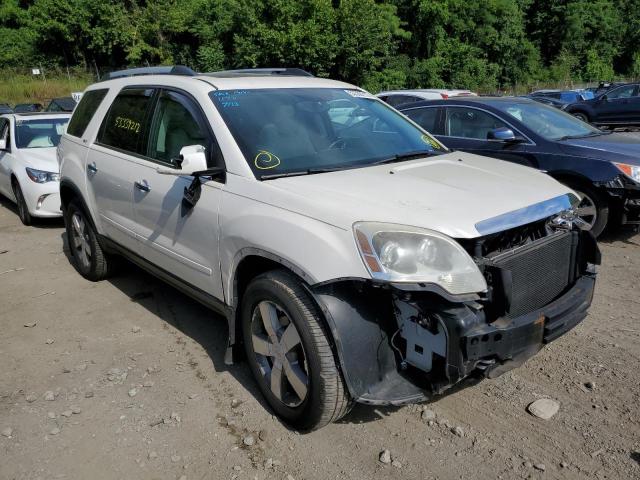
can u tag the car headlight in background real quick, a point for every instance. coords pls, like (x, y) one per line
(630, 171)
(399, 253)
(40, 176)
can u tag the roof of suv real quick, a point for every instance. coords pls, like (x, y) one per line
(42, 115)
(236, 81)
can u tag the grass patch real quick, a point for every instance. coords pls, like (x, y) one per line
(20, 88)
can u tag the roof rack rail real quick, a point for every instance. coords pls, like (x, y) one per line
(167, 70)
(286, 72)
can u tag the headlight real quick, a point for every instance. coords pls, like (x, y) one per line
(400, 253)
(630, 171)
(40, 176)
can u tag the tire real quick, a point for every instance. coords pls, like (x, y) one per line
(305, 356)
(593, 209)
(582, 116)
(23, 210)
(89, 259)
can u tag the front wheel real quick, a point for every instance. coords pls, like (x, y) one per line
(593, 209)
(23, 210)
(289, 352)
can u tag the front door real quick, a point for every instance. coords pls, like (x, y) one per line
(619, 106)
(467, 129)
(180, 239)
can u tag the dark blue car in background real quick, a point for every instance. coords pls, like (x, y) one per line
(617, 107)
(602, 167)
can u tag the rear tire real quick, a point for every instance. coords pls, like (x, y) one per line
(89, 259)
(285, 338)
(593, 209)
(23, 210)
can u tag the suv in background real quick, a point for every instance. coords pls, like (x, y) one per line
(353, 256)
(402, 97)
(619, 106)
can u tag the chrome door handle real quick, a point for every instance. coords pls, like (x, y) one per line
(143, 186)
(91, 168)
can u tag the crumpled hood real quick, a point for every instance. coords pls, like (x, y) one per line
(450, 193)
(40, 159)
(613, 146)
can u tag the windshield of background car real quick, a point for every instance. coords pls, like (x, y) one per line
(40, 133)
(548, 122)
(294, 130)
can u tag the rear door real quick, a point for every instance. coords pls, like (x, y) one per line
(112, 162)
(467, 129)
(180, 239)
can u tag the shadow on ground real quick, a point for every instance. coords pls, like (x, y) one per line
(36, 222)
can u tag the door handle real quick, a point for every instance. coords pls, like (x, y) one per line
(143, 186)
(91, 168)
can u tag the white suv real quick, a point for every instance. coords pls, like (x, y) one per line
(354, 257)
(28, 165)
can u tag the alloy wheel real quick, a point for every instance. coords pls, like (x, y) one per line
(279, 353)
(80, 240)
(587, 210)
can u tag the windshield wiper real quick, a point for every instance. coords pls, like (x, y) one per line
(298, 173)
(588, 135)
(400, 157)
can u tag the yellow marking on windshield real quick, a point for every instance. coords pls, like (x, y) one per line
(430, 141)
(265, 160)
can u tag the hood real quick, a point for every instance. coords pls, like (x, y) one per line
(611, 146)
(456, 194)
(40, 158)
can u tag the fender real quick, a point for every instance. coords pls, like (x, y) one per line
(77, 195)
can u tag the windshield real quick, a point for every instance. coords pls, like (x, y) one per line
(295, 131)
(548, 122)
(40, 133)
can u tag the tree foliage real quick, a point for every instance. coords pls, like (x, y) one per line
(393, 44)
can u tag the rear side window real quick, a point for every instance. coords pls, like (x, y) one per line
(83, 113)
(425, 117)
(395, 100)
(123, 127)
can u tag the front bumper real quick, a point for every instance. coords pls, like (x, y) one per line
(400, 344)
(43, 199)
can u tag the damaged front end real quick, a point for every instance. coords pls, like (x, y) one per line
(404, 342)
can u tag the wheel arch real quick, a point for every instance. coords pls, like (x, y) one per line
(69, 192)
(252, 262)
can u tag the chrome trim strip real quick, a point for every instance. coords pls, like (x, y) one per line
(525, 215)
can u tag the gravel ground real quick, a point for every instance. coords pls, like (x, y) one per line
(125, 379)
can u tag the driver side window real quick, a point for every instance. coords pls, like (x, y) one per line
(471, 123)
(176, 124)
(622, 92)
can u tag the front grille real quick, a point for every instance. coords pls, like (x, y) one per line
(531, 276)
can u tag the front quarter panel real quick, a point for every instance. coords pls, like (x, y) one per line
(251, 223)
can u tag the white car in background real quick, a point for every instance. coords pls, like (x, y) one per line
(29, 172)
(402, 97)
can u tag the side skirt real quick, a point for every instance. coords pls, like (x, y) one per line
(201, 296)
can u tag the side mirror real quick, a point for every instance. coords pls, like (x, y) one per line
(192, 159)
(604, 98)
(3, 144)
(503, 134)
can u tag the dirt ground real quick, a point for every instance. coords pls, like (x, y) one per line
(125, 379)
